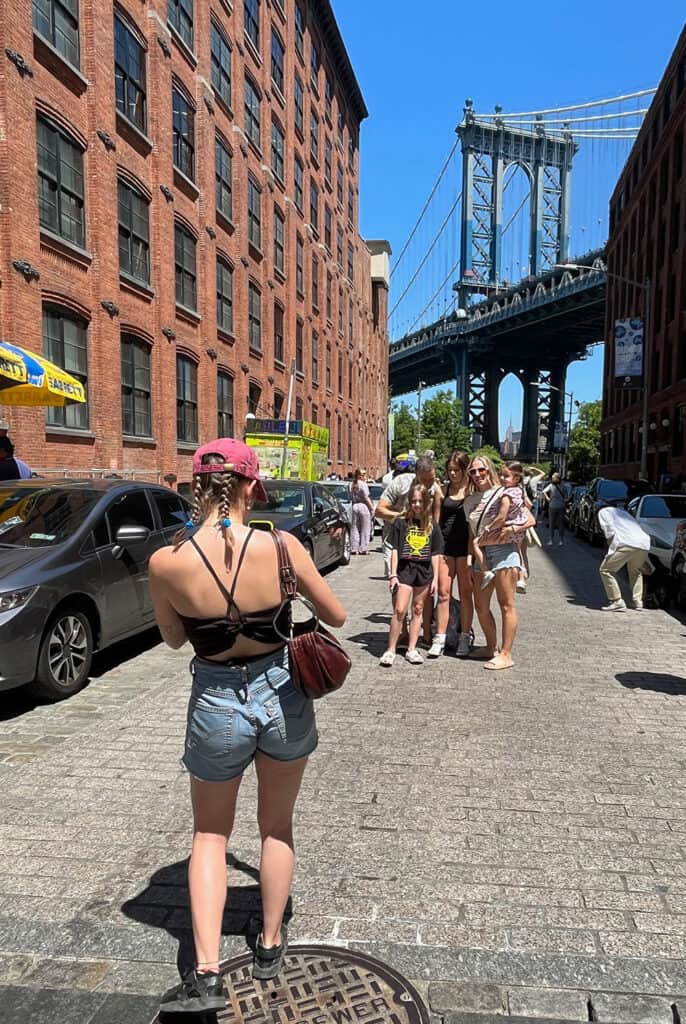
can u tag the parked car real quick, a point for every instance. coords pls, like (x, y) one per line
(311, 513)
(375, 492)
(678, 566)
(603, 491)
(660, 515)
(74, 574)
(572, 506)
(342, 490)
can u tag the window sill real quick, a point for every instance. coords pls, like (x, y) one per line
(299, 294)
(255, 148)
(256, 353)
(188, 187)
(146, 442)
(186, 446)
(51, 58)
(280, 98)
(133, 134)
(301, 376)
(279, 365)
(139, 288)
(183, 47)
(279, 275)
(252, 50)
(60, 246)
(224, 222)
(255, 252)
(314, 160)
(79, 435)
(222, 104)
(190, 315)
(226, 336)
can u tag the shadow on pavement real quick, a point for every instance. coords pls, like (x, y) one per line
(660, 682)
(373, 643)
(165, 903)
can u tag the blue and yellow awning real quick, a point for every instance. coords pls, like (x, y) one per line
(27, 378)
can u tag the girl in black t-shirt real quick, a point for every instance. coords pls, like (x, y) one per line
(417, 544)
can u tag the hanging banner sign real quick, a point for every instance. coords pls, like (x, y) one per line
(629, 353)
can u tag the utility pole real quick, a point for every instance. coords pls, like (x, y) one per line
(647, 356)
(420, 385)
(289, 403)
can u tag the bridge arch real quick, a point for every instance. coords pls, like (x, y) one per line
(511, 410)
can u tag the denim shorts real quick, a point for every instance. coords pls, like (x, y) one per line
(501, 556)
(238, 708)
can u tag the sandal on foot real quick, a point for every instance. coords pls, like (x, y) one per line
(498, 663)
(387, 659)
(267, 962)
(197, 993)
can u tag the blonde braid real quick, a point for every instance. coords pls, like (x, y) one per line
(195, 505)
(225, 507)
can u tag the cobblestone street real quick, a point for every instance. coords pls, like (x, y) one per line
(512, 842)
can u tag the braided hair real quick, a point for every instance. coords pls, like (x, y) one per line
(213, 492)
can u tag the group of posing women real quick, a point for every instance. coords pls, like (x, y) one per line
(475, 530)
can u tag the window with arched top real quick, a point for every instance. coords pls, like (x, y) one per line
(61, 187)
(65, 343)
(136, 406)
(129, 73)
(224, 404)
(186, 399)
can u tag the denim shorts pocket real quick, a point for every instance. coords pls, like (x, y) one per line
(296, 718)
(209, 730)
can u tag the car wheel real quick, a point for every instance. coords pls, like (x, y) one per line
(345, 554)
(65, 656)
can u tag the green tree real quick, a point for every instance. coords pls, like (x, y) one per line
(405, 429)
(442, 428)
(584, 443)
(489, 452)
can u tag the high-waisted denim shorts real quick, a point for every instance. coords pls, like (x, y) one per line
(501, 556)
(238, 708)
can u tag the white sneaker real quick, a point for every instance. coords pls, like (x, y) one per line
(413, 656)
(638, 607)
(387, 659)
(438, 646)
(521, 587)
(463, 645)
(615, 606)
(487, 578)
(549, 544)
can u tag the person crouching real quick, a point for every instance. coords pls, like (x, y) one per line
(417, 544)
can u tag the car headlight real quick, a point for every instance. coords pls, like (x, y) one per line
(13, 599)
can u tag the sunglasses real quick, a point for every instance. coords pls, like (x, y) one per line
(477, 471)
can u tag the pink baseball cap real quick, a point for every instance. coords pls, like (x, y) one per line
(228, 454)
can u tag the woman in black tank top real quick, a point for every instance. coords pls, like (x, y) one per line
(221, 591)
(455, 562)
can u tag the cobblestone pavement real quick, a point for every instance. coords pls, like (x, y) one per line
(513, 842)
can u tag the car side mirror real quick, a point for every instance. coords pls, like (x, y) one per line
(318, 508)
(127, 536)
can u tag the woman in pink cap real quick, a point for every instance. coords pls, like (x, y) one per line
(219, 588)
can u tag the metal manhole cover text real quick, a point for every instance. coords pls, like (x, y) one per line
(320, 985)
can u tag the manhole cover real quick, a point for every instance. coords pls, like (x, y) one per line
(321, 985)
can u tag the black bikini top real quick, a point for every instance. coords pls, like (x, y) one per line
(210, 637)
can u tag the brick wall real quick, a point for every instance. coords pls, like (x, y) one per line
(81, 103)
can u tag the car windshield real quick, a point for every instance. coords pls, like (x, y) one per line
(43, 516)
(664, 507)
(281, 498)
(612, 490)
(340, 491)
(375, 491)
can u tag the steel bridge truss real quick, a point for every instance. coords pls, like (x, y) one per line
(487, 150)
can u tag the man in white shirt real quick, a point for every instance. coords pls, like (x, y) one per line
(628, 545)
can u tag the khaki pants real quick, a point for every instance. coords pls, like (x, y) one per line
(633, 559)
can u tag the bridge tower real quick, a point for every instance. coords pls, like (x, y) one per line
(488, 149)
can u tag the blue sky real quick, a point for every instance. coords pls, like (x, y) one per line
(416, 64)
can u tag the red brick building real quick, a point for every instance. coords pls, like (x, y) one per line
(178, 215)
(648, 243)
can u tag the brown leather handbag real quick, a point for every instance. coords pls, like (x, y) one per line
(317, 662)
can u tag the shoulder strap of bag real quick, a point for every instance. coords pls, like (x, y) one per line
(486, 507)
(287, 577)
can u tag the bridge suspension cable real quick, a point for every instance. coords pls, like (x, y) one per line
(434, 296)
(574, 106)
(425, 207)
(427, 254)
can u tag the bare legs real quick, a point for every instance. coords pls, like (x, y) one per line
(278, 785)
(402, 602)
(214, 807)
(482, 602)
(505, 583)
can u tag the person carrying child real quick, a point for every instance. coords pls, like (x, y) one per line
(417, 544)
(513, 510)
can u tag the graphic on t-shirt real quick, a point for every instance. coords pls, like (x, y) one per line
(417, 544)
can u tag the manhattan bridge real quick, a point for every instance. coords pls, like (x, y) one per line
(504, 269)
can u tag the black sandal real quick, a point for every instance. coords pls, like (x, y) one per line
(268, 962)
(197, 993)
